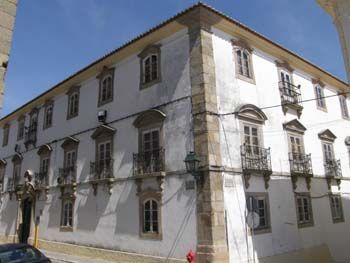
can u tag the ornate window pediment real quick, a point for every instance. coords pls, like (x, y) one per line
(103, 131)
(149, 117)
(251, 113)
(70, 142)
(294, 126)
(284, 65)
(17, 158)
(44, 149)
(327, 135)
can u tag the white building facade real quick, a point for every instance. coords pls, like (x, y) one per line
(98, 160)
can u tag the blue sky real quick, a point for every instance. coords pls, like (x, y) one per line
(55, 38)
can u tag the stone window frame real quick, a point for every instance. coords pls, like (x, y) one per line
(344, 109)
(143, 197)
(17, 161)
(6, 134)
(3, 165)
(154, 49)
(347, 144)
(318, 84)
(70, 144)
(327, 138)
(67, 197)
(310, 223)
(105, 73)
(47, 106)
(244, 47)
(103, 134)
(44, 153)
(341, 218)
(21, 127)
(265, 197)
(75, 90)
(295, 128)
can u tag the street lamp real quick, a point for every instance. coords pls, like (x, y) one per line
(192, 165)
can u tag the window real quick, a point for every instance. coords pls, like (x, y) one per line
(328, 152)
(73, 102)
(150, 66)
(296, 144)
(304, 210)
(150, 215)
(104, 154)
(67, 214)
(70, 159)
(336, 208)
(258, 204)
(44, 165)
(344, 107)
(286, 82)
(320, 100)
(48, 115)
(251, 139)
(243, 60)
(16, 173)
(106, 80)
(21, 127)
(2, 176)
(151, 150)
(6, 132)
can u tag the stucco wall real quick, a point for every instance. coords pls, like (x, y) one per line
(285, 236)
(113, 221)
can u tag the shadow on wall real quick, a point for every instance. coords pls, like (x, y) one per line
(286, 242)
(91, 208)
(54, 213)
(8, 214)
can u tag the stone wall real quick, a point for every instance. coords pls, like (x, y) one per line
(7, 19)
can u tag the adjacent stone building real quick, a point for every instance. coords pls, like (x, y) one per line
(339, 10)
(97, 161)
(7, 20)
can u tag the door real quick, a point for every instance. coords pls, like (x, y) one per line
(26, 221)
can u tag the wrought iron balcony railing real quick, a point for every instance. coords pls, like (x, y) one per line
(300, 164)
(30, 134)
(67, 175)
(101, 170)
(333, 168)
(148, 162)
(290, 94)
(255, 159)
(41, 179)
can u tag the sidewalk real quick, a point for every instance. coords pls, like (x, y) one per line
(64, 258)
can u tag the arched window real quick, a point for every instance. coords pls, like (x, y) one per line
(150, 216)
(67, 214)
(243, 60)
(48, 114)
(106, 84)
(73, 102)
(243, 63)
(150, 66)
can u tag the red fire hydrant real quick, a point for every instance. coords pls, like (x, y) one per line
(190, 256)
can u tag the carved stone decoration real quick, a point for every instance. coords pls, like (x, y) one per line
(251, 113)
(294, 126)
(338, 183)
(161, 180)
(284, 65)
(329, 183)
(308, 182)
(267, 180)
(242, 43)
(246, 178)
(327, 135)
(347, 141)
(317, 82)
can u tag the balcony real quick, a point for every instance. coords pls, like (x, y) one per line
(30, 135)
(102, 172)
(300, 166)
(290, 97)
(333, 168)
(149, 163)
(256, 160)
(67, 176)
(41, 179)
(333, 171)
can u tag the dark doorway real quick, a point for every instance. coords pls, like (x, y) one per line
(26, 221)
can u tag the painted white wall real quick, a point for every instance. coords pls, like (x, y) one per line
(285, 235)
(113, 221)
